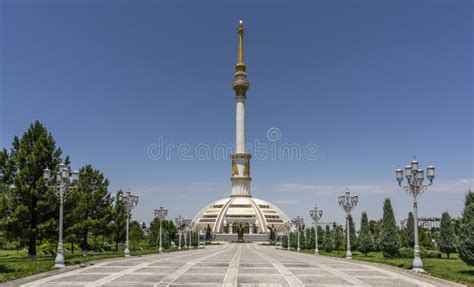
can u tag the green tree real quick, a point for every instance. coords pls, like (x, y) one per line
(403, 238)
(169, 232)
(447, 239)
(136, 233)
(284, 241)
(466, 236)
(424, 237)
(366, 240)
(375, 228)
(352, 234)
(32, 206)
(389, 238)
(320, 235)
(338, 237)
(92, 202)
(410, 230)
(328, 241)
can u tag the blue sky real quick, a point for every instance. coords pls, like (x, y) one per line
(370, 83)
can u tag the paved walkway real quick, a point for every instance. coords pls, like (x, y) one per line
(234, 265)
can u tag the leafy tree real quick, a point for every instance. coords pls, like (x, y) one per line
(328, 241)
(410, 230)
(389, 238)
(466, 237)
(92, 201)
(135, 233)
(32, 206)
(366, 240)
(447, 239)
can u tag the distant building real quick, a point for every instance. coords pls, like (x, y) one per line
(425, 222)
(144, 228)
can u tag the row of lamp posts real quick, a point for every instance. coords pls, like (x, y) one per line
(414, 176)
(64, 181)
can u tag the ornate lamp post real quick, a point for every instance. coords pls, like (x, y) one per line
(316, 215)
(65, 181)
(348, 202)
(129, 201)
(187, 224)
(415, 176)
(298, 222)
(161, 215)
(288, 225)
(179, 224)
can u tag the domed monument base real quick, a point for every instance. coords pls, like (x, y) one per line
(255, 217)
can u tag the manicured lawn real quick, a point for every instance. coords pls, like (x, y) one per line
(15, 265)
(453, 269)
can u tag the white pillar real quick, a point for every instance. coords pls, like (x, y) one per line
(230, 228)
(240, 124)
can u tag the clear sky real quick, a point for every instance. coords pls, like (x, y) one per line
(370, 83)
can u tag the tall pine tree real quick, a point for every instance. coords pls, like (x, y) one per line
(366, 240)
(328, 241)
(92, 201)
(352, 234)
(389, 237)
(32, 206)
(447, 238)
(410, 230)
(466, 236)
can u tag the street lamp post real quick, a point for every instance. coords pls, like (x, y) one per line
(187, 223)
(179, 224)
(316, 215)
(415, 176)
(65, 181)
(288, 225)
(161, 215)
(298, 222)
(129, 201)
(348, 202)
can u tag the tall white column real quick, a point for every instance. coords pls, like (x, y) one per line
(240, 124)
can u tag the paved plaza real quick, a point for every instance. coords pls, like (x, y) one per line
(245, 264)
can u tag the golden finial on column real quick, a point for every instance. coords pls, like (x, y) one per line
(240, 83)
(240, 56)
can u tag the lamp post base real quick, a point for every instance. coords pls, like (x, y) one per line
(418, 265)
(316, 251)
(59, 261)
(160, 250)
(348, 255)
(126, 252)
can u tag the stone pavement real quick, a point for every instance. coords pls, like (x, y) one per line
(245, 264)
